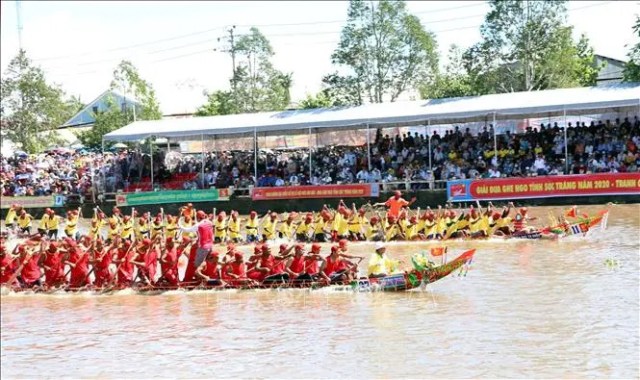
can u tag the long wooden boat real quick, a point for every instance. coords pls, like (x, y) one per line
(392, 283)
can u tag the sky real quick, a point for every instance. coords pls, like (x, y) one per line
(175, 44)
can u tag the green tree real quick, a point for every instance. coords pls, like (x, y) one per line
(527, 45)
(319, 100)
(126, 79)
(452, 82)
(632, 68)
(30, 108)
(256, 85)
(218, 103)
(385, 51)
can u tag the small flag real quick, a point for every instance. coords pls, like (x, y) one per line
(571, 213)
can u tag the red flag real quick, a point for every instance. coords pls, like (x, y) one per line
(571, 213)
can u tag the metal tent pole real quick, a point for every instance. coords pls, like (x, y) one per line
(103, 145)
(426, 129)
(151, 154)
(566, 147)
(310, 163)
(255, 156)
(368, 147)
(202, 169)
(495, 137)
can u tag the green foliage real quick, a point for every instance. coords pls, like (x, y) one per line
(385, 51)
(127, 79)
(31, 108)
(256, 85)
(632, 68)
(452, 83)
(526, 45)
(218, 103)
(320, 100)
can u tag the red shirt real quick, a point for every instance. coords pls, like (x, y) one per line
(297, 264)
(210, 270)
(311, 265)
(7, 264)
(333, 266)
(191, 270)
(205, 234)
(239, 269)
(125, 269)
(31, 270)
(81, 270)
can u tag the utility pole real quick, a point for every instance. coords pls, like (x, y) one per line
(231, 49)
(19, 16)
(527, 80)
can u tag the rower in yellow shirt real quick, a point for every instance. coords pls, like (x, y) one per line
(251, 227)
(25, 222)
(172, 227)
(157, 226)
(71, 225)
(52, 225)
(286, 229)
(127, 228)
(374, 231)
(269, 227)
(380, 265)
(42, 226)
(12, 215)
(320, 227)
(220, 228)
(302, 230)
(234, 227)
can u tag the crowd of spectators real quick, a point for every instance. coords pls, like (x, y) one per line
(598, 147)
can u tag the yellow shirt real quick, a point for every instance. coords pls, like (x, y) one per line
(319, 226)
(220, 228)
(72, 226)
(52, 223)
(381, 265)
(371, 231)
(43, 222)
(114, 230)
(24, 222)
(11, 216)
(156, 229)
(234, 229)
(127, 230)
(285, 229)
(252, 227)
(172, 230)
(269, 229)
(303, 228)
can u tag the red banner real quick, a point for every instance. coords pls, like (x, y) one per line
(325, 191)
(556, 186)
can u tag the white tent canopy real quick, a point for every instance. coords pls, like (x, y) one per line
(572, 101)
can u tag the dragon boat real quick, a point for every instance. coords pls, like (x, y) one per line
(408, 280)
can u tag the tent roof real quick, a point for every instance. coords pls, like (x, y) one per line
(438, 111)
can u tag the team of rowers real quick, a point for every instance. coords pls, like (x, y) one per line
(399, 223)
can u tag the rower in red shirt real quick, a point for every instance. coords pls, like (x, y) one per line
(102, 258)
(237, 271)
(147, 261)
(169, 263)
(337, 269)
(190, 249)
(253, 259)
(79, 263)
(30, 273)
(395, 204)
(209, 271)
(7, 265)
(53, 267)
(124, 272)
(263, 266)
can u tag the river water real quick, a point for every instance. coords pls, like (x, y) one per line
(525, 309)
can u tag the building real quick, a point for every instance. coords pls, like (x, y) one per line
(85, 118)
(611, 72)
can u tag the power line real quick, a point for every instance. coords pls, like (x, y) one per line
(208, 41)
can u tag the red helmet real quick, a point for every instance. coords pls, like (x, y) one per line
(315, 248)
(342, 243)
(146, 242)
(257, 249)
(335, 248)
(413, 219)
(374, 220)
(362, 211)
(283, 247)
(495, 216)
(238, 256)
(200, 215)
(253, 214)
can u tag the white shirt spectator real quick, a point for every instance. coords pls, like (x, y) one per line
(539, 164)
(293, 180)
(279, 182)
(363, 176)
(375, 175)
